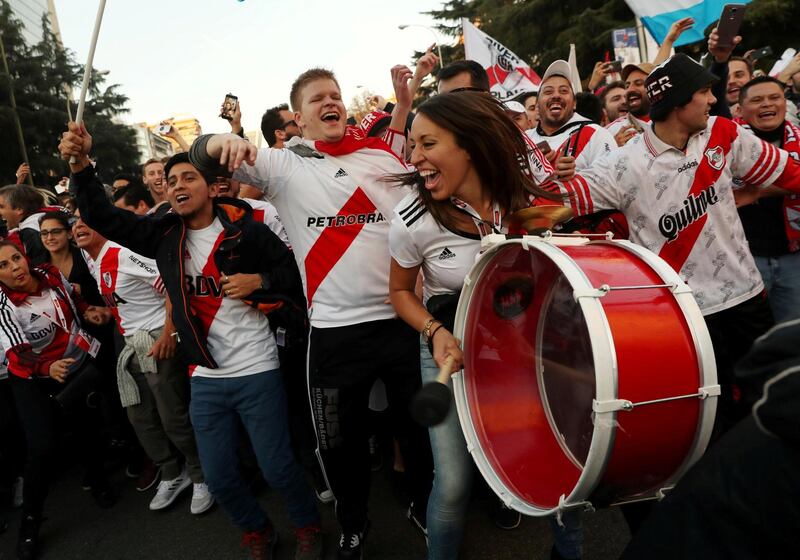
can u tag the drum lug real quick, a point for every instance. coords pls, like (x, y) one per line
(563, 506)
(611, 405)
(710, 391)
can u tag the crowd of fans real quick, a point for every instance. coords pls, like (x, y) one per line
(232, 312)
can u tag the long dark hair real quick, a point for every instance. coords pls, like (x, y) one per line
(495, 145)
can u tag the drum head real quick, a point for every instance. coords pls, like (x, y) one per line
(529, 375)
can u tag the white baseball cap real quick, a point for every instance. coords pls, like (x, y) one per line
(514, 107)
(558, 68)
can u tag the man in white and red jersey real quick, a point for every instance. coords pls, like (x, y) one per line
(673, 183)
(772, 223)
(134, 294)
(330, 192)
(202, 247)
(564, 130)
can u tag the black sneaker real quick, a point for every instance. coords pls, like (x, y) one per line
(28, 541)
(351, 545)
(505, 517)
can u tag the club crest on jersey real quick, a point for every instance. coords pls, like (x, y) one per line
(715, 157)
(107, 279)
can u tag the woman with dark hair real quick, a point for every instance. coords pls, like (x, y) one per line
(472, 172)
(55, 229)
(52, 378)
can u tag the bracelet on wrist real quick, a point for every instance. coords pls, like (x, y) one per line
(426, 330)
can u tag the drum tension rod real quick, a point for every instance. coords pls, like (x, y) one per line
(614, 405)
(605, 289)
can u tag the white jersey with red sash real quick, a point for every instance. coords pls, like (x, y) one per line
(237, 335)
(38, 329)
(336, 206)
(132, 288)
(587, 141)
(679, 204)
(265, 213)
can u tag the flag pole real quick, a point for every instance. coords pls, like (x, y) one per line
(87, 70)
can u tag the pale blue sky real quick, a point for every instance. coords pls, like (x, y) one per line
(183, 56)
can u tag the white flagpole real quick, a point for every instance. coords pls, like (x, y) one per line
(87, 71)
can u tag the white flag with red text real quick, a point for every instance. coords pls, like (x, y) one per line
(508, 74)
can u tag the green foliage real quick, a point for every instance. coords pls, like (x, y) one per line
(40, 75)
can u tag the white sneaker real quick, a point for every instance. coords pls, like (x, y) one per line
(16, 492)
(168, 490)
(202, 499)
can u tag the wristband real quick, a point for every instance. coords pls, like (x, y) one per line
(430, 340)
(426, 330)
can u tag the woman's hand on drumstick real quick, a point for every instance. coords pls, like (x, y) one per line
(445, 344)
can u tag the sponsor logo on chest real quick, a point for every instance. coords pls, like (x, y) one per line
(694, 207)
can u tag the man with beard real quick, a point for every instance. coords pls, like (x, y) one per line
(561, 127)
(740, 71)
(613, 99)
(627, 126)
(770, 223)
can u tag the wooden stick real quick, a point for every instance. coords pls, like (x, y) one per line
(87, 70)
(446, 370)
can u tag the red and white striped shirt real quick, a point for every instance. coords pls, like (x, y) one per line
(237, 336)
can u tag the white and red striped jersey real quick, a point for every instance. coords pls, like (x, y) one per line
(132, 288)
(336, 206)
(593, 141)
(44, 323)
(265, 213)
(237, 335)
(680, 205)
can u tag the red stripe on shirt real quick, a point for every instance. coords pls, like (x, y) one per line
(676, 252)
(205, 307)
(110, 264)
(333, 242)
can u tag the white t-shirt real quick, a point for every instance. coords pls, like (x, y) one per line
(594, 142)
(680, 204)
(132, 288)
(336, 211)
(237, 335)
(415, 238)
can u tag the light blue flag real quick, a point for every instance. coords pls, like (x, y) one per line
(658, 15)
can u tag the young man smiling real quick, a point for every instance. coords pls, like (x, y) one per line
(329, 190)
(673, 183)
(208, 250)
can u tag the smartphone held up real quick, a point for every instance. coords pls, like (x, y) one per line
(730, 21)
(228, 107)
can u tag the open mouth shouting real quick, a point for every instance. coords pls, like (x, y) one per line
(556, 108)
(431, 178)
(181, 200)
(331, 117)
(634, 100)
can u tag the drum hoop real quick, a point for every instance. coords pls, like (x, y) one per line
(702, 343)
(603, 354)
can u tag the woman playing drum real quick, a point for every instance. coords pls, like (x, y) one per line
(472, 171)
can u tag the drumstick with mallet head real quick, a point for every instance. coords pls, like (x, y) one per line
(431, 404)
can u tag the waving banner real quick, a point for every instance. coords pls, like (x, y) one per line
(508, 74)
(658, 15)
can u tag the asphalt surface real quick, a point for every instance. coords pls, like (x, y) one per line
(77, 529)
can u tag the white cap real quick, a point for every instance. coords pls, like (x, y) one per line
(558, 68)
(514, 107)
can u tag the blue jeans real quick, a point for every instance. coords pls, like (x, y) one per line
(452, 479)
(452, 485)
(259, 402)
(782, 281)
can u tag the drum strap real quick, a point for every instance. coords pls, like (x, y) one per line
(485, 227)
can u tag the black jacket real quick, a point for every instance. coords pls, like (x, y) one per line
(249, 247)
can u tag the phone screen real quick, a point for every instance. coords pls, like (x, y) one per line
(228, 107)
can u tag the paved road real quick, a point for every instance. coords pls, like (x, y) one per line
(77, 529)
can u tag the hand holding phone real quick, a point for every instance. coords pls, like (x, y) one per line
(228, 107)
(729, 23)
